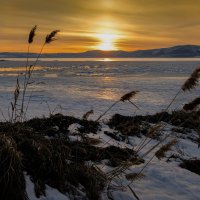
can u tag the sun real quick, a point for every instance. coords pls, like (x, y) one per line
(107, 41)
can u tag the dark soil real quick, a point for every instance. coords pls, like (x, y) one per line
(191, 165)
(134, 126)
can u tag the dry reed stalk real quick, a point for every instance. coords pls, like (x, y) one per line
(133, 192)
(124, 166)
(151, 132)
(118, 170)
(166, 148)
(161, 152)
(31, 36)
(192, 105)
(190, 83)
(107, 110)
(127, 97)
(49, 38)
(140, 172)
(156, 145)
(14, 114)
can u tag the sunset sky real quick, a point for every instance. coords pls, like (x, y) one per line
(100, 24)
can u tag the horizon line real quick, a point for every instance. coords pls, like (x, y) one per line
(34, 52)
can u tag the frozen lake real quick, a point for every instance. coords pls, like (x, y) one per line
(74, 87)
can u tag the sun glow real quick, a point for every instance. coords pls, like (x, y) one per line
(107, 41)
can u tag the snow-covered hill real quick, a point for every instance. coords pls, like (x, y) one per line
(182, 51)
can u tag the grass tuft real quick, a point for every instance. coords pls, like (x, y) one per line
(12, 182)
(164, 149)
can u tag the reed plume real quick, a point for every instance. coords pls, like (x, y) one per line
(192, 105)
(32, 34)
(128, 96)
(196, 73)
(51, 37)
(192, 81)
(87, 114)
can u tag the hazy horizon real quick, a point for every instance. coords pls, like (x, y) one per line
(106, 51)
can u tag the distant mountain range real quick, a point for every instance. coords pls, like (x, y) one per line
(183, 51)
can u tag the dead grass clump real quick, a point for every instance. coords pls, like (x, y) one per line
(117, 156)
(175, 118)
(154, 131)
(91, 178)
(58, 123)
(134, 176)
(126, 125)
(52, 162)
(93, 141)
(12, 182)
(59, 163)
(37, 161)
(116, 135)
(164, 149)
(88, 126)
(80, 152)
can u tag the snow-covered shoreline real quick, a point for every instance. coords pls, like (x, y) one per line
(163, 178)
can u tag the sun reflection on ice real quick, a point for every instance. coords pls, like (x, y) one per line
(106, 59)
(108, 94)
